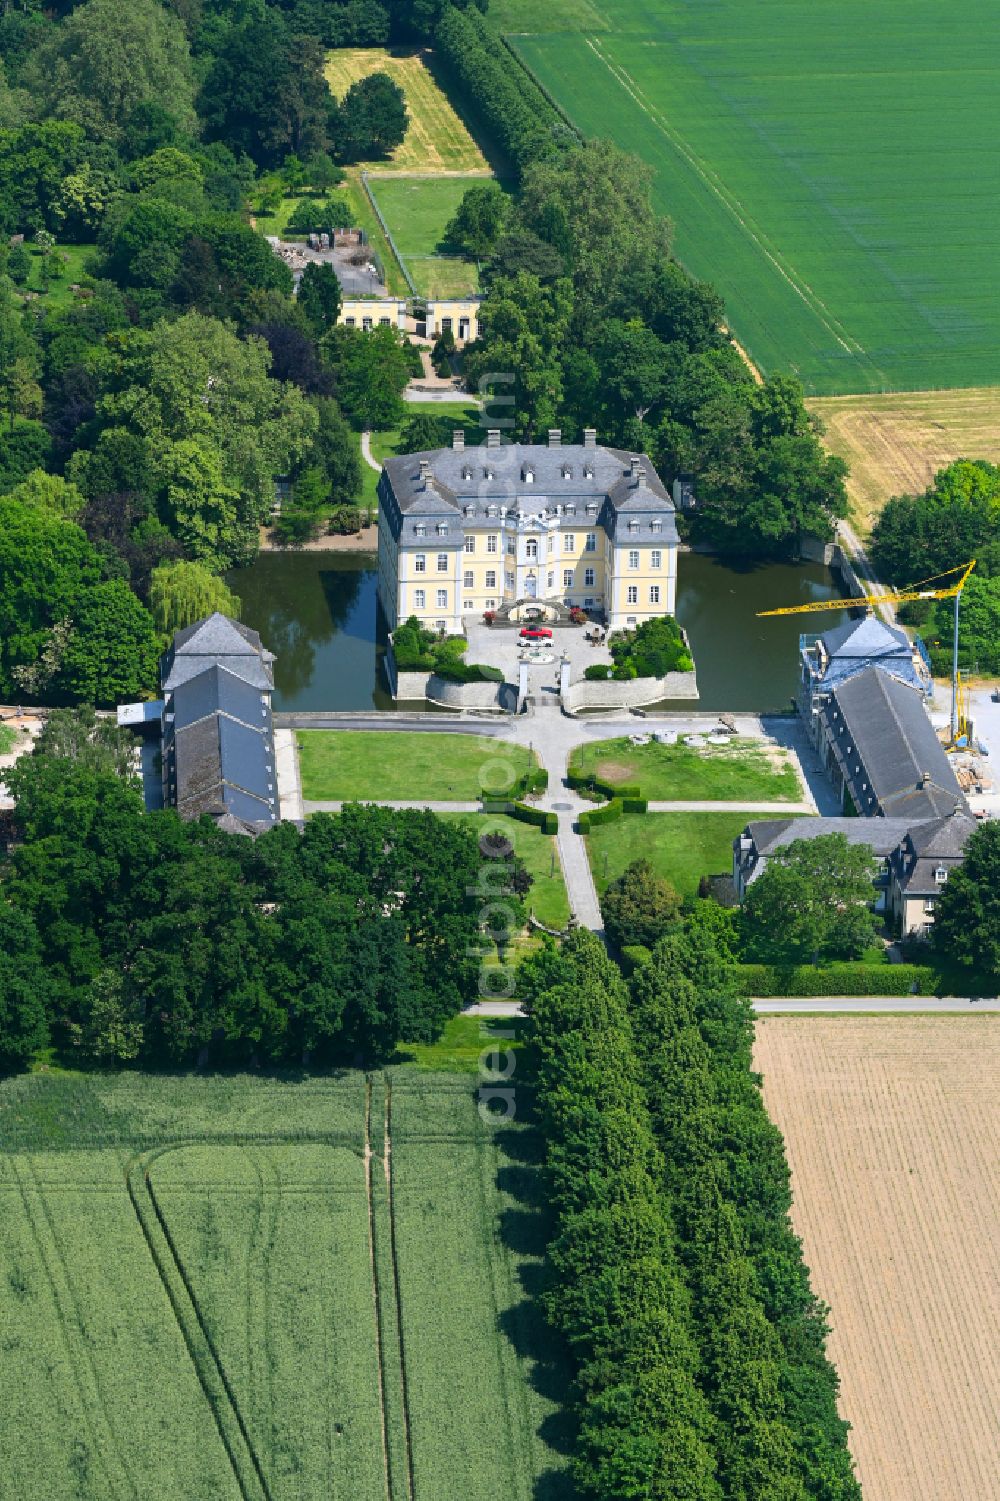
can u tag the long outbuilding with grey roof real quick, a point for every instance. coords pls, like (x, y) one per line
(218, 741)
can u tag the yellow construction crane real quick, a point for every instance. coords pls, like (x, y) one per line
(959, 717)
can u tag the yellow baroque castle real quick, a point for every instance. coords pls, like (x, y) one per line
(464, 530)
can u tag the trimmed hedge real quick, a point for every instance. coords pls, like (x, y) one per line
(531, 782)
(837, 979)
(547, 822)
(635, 805)
(585, 782)
(607, 814)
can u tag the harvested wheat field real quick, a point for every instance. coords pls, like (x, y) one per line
(892, 1128)
(897, 443)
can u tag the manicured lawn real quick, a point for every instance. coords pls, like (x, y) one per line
(352, 765)
(742, 769)
(461, 1045)
(681, 846)
(8, 739)
(822, 165)
(547, 898)
(417, 211)
(450, 414)
(436, 139)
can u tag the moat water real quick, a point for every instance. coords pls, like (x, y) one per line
(318, 613)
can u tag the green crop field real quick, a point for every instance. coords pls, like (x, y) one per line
(417, 211)
(246, 1289)
(832, 166)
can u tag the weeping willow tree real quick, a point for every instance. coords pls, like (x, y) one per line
(181, 593)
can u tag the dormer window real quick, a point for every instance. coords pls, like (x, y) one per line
(466, 472)
(656, 526)
(940, 875)
(470, 510)
(491, 510)
(633, 526)
(528, 475)
(420, 530)
(591, 507)
(571, 509)
(567, 472)
(442, 529)
(488, 472)
(588, 471)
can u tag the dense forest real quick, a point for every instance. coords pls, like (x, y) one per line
(674, 1275)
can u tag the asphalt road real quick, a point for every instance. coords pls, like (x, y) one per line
(809, 1005)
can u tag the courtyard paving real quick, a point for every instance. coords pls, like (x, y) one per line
(500, 646)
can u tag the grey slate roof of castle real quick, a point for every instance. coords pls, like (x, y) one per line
(218, 742)
(464, 483)
(887, 751)
(869, 642)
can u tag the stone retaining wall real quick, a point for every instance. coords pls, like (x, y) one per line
(628, 693)
(501, 697)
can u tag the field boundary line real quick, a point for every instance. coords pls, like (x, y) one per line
(204, 1356)
(816, 306)
(75, 1354)
(387, 1164)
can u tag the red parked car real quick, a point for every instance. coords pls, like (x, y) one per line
(536, 633)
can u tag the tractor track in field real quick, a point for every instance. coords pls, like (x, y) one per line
(201, 1346)
(370, 1161)
(94, 1414)
(387, 1165)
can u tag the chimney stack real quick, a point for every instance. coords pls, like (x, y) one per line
(458, 439)
(590, 437)
(555, 437)
(425, 471)
(492, 437)
(635, 467)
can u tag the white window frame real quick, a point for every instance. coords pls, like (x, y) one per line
(420, 599)
(656, 558)
(491, 578)
(420, 562)
(632, 596)
(442, 563)
(492, 543)
(589, 578)
(591, 543)
(442, 599)
(468, 579)
(531, 548)
(568, 577)
(654, 594)
(569, 542)
(633, 558)
(470, 544)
